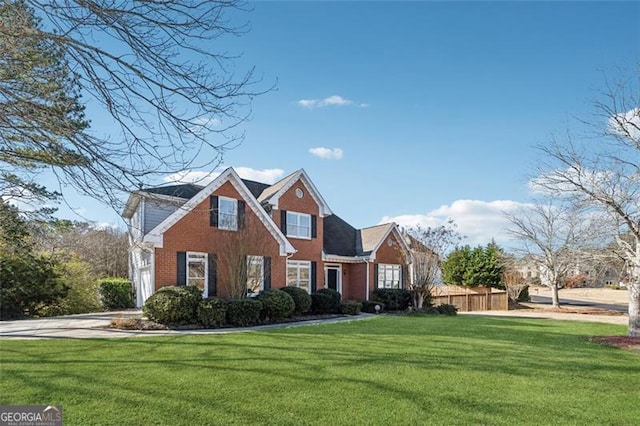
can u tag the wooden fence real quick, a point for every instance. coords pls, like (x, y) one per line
(470, 301)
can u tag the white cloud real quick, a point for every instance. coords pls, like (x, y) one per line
(479, 221)
(203, 124)
(333, 100)
(203, 178)
(626, 124)
(327, 153)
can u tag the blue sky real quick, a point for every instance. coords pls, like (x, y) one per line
(427, 110)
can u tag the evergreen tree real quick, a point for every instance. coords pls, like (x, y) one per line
(42, 122)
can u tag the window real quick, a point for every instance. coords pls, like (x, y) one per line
(389, 276)
(299, 274)
(227, 213)
(298, 225)
(197, 271)
(255, 275)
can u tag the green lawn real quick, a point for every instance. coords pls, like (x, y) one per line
(387, 370)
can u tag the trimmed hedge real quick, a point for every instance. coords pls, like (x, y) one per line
(276, 304)
(350, 307)
(243, 312)
(321, 303)
(446, 309)
(300, 297)
(395, 299)
(369, 306)
(212, 312)
(334, 307)
(173, 305)
(115, 293)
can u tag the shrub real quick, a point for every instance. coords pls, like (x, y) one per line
(369, 306)
(446, 309)
(321, 303)
(301, 298)
(350, 307)
(212, 312)
(394, 299)
(334, 308)
(243, 312)
(524, 295)
(276, 304)
(115, 293)
(173, 305)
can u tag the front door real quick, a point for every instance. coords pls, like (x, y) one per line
(333, 278)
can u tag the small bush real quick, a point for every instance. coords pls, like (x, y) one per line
(301, 298)
(350, 307)
(524, 295)
(334, 308)
(276, 304)
(446, 309)
(243, 312)
(212, 312)
(322, 303)
(394, 299)
(369, 306)
(115, 293)
(173, 305)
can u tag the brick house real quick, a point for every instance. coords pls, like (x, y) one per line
(288, 236)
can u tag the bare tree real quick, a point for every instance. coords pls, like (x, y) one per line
(234, 256)
(513, 280)
(155, 68)
(603, 172)
(555, 237)
(428, 247)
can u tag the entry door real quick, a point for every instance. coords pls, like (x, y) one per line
(333, 278)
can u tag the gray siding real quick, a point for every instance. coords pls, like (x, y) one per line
(155, 212)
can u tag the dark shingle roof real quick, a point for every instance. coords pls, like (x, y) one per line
(339, 237)
(186, 191)
(254, 187)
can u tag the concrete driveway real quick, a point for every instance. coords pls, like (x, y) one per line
(87, 326)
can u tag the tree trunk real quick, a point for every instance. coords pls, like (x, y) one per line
(555, 298)
(634, 309)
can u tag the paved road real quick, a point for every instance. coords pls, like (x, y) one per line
(620, 307)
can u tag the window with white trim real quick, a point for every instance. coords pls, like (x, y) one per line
(255, 275)
(227, 213)
(197, 270)
(299, 274)
(298, 225)
(389, 276)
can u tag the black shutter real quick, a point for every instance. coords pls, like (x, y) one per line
(213, 219)
(212, 282)
(314, 226)
(241, 216)
(266, 264)
(313, 277)
(283, 221)
(375, 275)
(404, 277)
(182, 268)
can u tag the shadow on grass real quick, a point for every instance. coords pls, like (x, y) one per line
(424, 365)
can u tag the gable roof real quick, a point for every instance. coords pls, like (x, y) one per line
(229, 175)
(339, 237)
(369, 239)
(186, 190)
(272, 194)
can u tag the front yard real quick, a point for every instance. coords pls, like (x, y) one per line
(387, 370)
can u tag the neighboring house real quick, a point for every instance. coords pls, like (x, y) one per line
(590, 273)
(181, 234)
